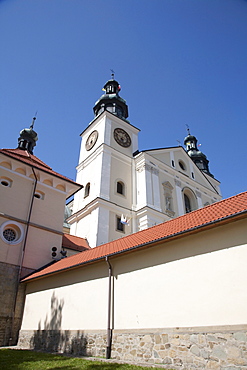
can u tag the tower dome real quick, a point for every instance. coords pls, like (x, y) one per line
(111, 100)
(196, 155)
(28, 138)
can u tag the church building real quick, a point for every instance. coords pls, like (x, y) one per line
(127, 190)
(119, 190)
(153, 269)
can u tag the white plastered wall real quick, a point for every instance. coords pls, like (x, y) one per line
(76, 300)
(197, 280)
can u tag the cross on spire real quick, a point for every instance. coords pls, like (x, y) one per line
(112, 74)
(188, 129)
(34, 119)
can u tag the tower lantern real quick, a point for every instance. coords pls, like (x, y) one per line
(111, 100)
(195, 154)
(28, 138)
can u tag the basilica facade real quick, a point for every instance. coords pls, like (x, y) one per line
(126, 190)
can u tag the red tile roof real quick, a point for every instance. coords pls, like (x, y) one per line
(75, 243)
(217, 213)
(32, 160)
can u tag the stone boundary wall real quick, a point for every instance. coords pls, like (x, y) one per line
(10, 291)
(8, 286)
(220, 348)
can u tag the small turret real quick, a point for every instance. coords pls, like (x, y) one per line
(196, 155)
(111, 100)
(28, 138)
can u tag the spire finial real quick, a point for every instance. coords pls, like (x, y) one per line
(28, 138)
(112, 74)
(34, 119)
(188, 129)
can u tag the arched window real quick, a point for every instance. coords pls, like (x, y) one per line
(120, 187)
(87, 190)
(190, 202)
(187, 204)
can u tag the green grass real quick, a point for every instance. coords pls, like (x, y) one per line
(13, 359)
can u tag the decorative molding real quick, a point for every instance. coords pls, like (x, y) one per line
(198, 194)
(169, 213)
(141, 168)
(167, 186)
(178, 183)
(151, 169)
(148, 168)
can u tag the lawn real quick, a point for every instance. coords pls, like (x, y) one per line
(13, 359)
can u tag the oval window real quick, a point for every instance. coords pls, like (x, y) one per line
(6, 182)
(182, 165)
(39, 194)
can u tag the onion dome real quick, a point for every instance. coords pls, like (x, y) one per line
(28, 138)
(111, 100)
(196, 155)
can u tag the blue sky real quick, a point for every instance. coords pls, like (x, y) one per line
(179, 62)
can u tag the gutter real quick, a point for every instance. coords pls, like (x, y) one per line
(109, 329)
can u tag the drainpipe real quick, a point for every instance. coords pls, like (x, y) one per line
(109, 330)
(22, 256)
(28, 223)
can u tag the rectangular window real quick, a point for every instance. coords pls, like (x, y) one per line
(120, 226)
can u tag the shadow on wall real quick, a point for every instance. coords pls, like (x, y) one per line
(52, 339)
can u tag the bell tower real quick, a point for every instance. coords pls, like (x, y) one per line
(105, 169)
(195, 154)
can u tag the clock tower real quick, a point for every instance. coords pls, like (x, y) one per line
(105, 169)
(125, 190)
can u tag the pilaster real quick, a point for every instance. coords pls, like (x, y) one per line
(178, 187)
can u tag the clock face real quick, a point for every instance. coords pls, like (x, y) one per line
(122, 137)
(91, 140)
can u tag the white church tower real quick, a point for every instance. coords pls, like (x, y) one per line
(126, 190)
